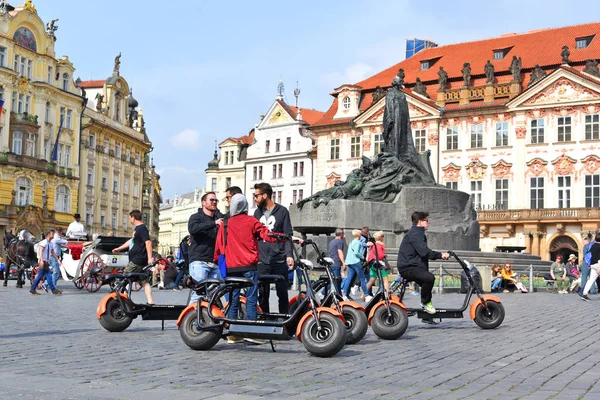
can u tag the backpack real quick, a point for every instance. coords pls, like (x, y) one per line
(184, 248)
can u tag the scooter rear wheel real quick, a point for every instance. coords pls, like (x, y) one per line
(195, 338)
(491, 317)
(392, 326)
(329, 340)
(114, 319)
(356, 324)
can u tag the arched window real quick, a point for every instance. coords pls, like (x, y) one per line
(63, 199)
(346, 103)
(65, 81)
(24, 193)
(17, 145)
(47, 113)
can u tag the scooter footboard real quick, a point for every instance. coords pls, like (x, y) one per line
(163, 312)
(487, 297)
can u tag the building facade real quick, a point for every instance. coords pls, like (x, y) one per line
(114, 158)
(39, 125)
(282, 154)
(513, 123)
(174, 217)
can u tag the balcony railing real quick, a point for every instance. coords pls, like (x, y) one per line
(24, 117)
(539, 214)
(34, 163)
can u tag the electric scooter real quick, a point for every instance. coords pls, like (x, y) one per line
(353, 313)
(117, 310)
(320, 329)
(487, 311)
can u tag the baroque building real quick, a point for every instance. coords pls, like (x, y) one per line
(174, 217)
(39, 126)
(282, 153)
(514, 123)
(115, 169)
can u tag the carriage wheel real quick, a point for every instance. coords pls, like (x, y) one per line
(91, 283)
(78, 283)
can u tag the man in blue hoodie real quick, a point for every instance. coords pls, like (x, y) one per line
(274, 258)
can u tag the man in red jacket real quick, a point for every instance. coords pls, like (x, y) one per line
(239, 242)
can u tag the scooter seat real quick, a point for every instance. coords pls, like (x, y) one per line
(268, 279)
(239, 281)
(206, 282)
(111, 277)
(324, 277)
(135, 276)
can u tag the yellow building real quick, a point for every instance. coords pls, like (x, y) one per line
(39, 174)
(113, 157)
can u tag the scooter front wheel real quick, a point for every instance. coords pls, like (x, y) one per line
(115, 319)
(392, 325)
(489, 317)
(196, 338)
(356, 324)
(327, 341)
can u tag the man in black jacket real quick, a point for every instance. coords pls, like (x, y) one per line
(414, 256)
(203, 227)
(274, 258)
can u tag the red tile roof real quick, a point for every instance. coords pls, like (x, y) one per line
(93, 84)
(310, 116)
(541, 47)
(247, 139)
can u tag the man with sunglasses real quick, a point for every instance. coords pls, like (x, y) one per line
(274, 258)
(203, 227)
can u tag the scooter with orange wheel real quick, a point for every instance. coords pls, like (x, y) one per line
(354, 314)
(320, 329)
(487, 311)
(386, 314)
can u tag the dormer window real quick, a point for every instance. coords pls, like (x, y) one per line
(583, 42)
(425, 65)
(500, 54)
(346, 103)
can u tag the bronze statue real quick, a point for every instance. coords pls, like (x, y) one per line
(117, 64)
(565, 53)
(515, 68)
(489, 72)
(378, 94)
(401, 76)
(466, 73)
(420, 88)
(442, 78)
(536, 75)
(591, 67)
(51, 27)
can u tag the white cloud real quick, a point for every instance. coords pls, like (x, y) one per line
(352, 74)
(187, 139)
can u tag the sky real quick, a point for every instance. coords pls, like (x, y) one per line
(203, 71)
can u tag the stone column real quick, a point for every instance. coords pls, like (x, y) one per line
(515, 88)
(528, 242)
(464, 96)
(535, 247)
(441, 98)
(543, 245)
(488, 93)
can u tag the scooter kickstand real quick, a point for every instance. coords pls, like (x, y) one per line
(272, 346)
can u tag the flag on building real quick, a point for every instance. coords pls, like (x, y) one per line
(55, 149)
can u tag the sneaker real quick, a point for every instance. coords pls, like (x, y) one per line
(34, 292)
(57, 292)
(585, 297)
(414, 293)
(176, 289)
(430, 321)
(368, 299)
(354, 290)
(346, 298)
(234, 339)
(255, 341)
(428, 308)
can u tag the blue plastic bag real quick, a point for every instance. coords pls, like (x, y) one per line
(222, 265)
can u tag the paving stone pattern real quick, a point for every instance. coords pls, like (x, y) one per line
(54, 348)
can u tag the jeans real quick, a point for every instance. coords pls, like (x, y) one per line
(251, 297)
(199, 271)
(591, 280)
(55, 272)
(179, 277)
(496, 283)
(337, 273)
(281, 286)
(355, 269)
(42, 272)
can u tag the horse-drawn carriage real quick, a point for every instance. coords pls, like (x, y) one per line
(79, 257)
(78, 261)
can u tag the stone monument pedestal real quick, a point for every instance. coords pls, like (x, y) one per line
(453, 224)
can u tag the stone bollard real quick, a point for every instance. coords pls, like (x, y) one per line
(486, 278)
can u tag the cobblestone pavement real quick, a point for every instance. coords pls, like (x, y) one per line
(54, 348)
